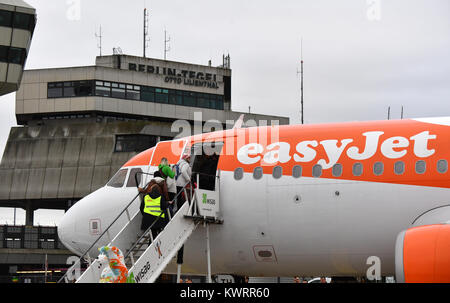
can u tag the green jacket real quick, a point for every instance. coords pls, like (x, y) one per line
(167, 171)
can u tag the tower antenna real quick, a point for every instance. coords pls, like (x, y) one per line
(146, 39)
(166, 46)
(301, 79)
(99, 37)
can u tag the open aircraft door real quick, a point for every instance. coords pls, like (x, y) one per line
(205, 158)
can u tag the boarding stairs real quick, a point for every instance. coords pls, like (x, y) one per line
(145, 257)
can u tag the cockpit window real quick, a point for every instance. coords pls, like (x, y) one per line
(132, 179)
(118, 179)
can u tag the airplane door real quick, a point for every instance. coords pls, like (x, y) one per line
(205, 158)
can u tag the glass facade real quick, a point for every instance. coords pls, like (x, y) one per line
(70, 89)
(134, 93)
(12, 54)
(17, 20)
(134, 143)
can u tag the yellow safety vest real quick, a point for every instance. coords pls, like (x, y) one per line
(153, 206)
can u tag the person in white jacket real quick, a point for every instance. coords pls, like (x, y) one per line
(183, 177)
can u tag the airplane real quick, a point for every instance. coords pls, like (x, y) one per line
(310, 200)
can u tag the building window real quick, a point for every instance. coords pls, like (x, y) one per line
(6, 18)
(442, 166)
(421, 167)
(16, 55)
(103, 91)
(189, 99)
(337, 170)
(161, 95)
(378, 168)
(317, 170)
(129, 92)
(69, 89)
(12, 55)
(258, 173)
(297, 171)
(118, 93)
(148, 94)
(55, 90)
(134, 143)
(17, 20)
(22, 21)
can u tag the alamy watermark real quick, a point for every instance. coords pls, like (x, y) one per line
(373, 12)
(73, 12)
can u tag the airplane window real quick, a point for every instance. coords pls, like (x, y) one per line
(238, 173)
(277, 172)
(442, 166)
(357, 169)
(378, 168)
(421, 167)
(297, 171)
(317, 170)
(258, 173)
(131, 178)
(337, 170)
(399, 167)
(118, 179)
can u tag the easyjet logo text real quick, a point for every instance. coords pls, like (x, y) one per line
(307, 151)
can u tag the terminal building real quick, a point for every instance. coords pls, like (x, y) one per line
(17, 23)
(79, 125)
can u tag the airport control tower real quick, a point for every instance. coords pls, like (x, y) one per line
(79, 125)
(17, 22)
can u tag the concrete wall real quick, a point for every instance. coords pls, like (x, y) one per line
(57, 162)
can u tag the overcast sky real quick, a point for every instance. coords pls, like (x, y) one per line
(360, 56)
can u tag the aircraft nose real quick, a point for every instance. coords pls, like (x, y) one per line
(66, 230)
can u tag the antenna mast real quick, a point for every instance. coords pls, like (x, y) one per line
(166, 47)
(146, 39)
(99, 37)
(301, 57)
(301, 79)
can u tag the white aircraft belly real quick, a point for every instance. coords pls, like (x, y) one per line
(333, 229)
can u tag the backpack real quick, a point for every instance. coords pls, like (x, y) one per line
(177, 171)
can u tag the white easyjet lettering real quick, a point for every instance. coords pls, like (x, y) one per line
(370, 149)
(305, 151)
(308, 153)
(277, 155)
(333, 152)
(387, 147)
(252, 149)
(421, 144)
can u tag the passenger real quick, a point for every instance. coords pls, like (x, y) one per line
(183, 178)
(153, 204)
(157, 179)
(167, 173)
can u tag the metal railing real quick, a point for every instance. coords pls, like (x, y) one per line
(101, 235)
(148, 231)
(189, 199)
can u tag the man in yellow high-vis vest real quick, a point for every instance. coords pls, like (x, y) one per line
(153, 208)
